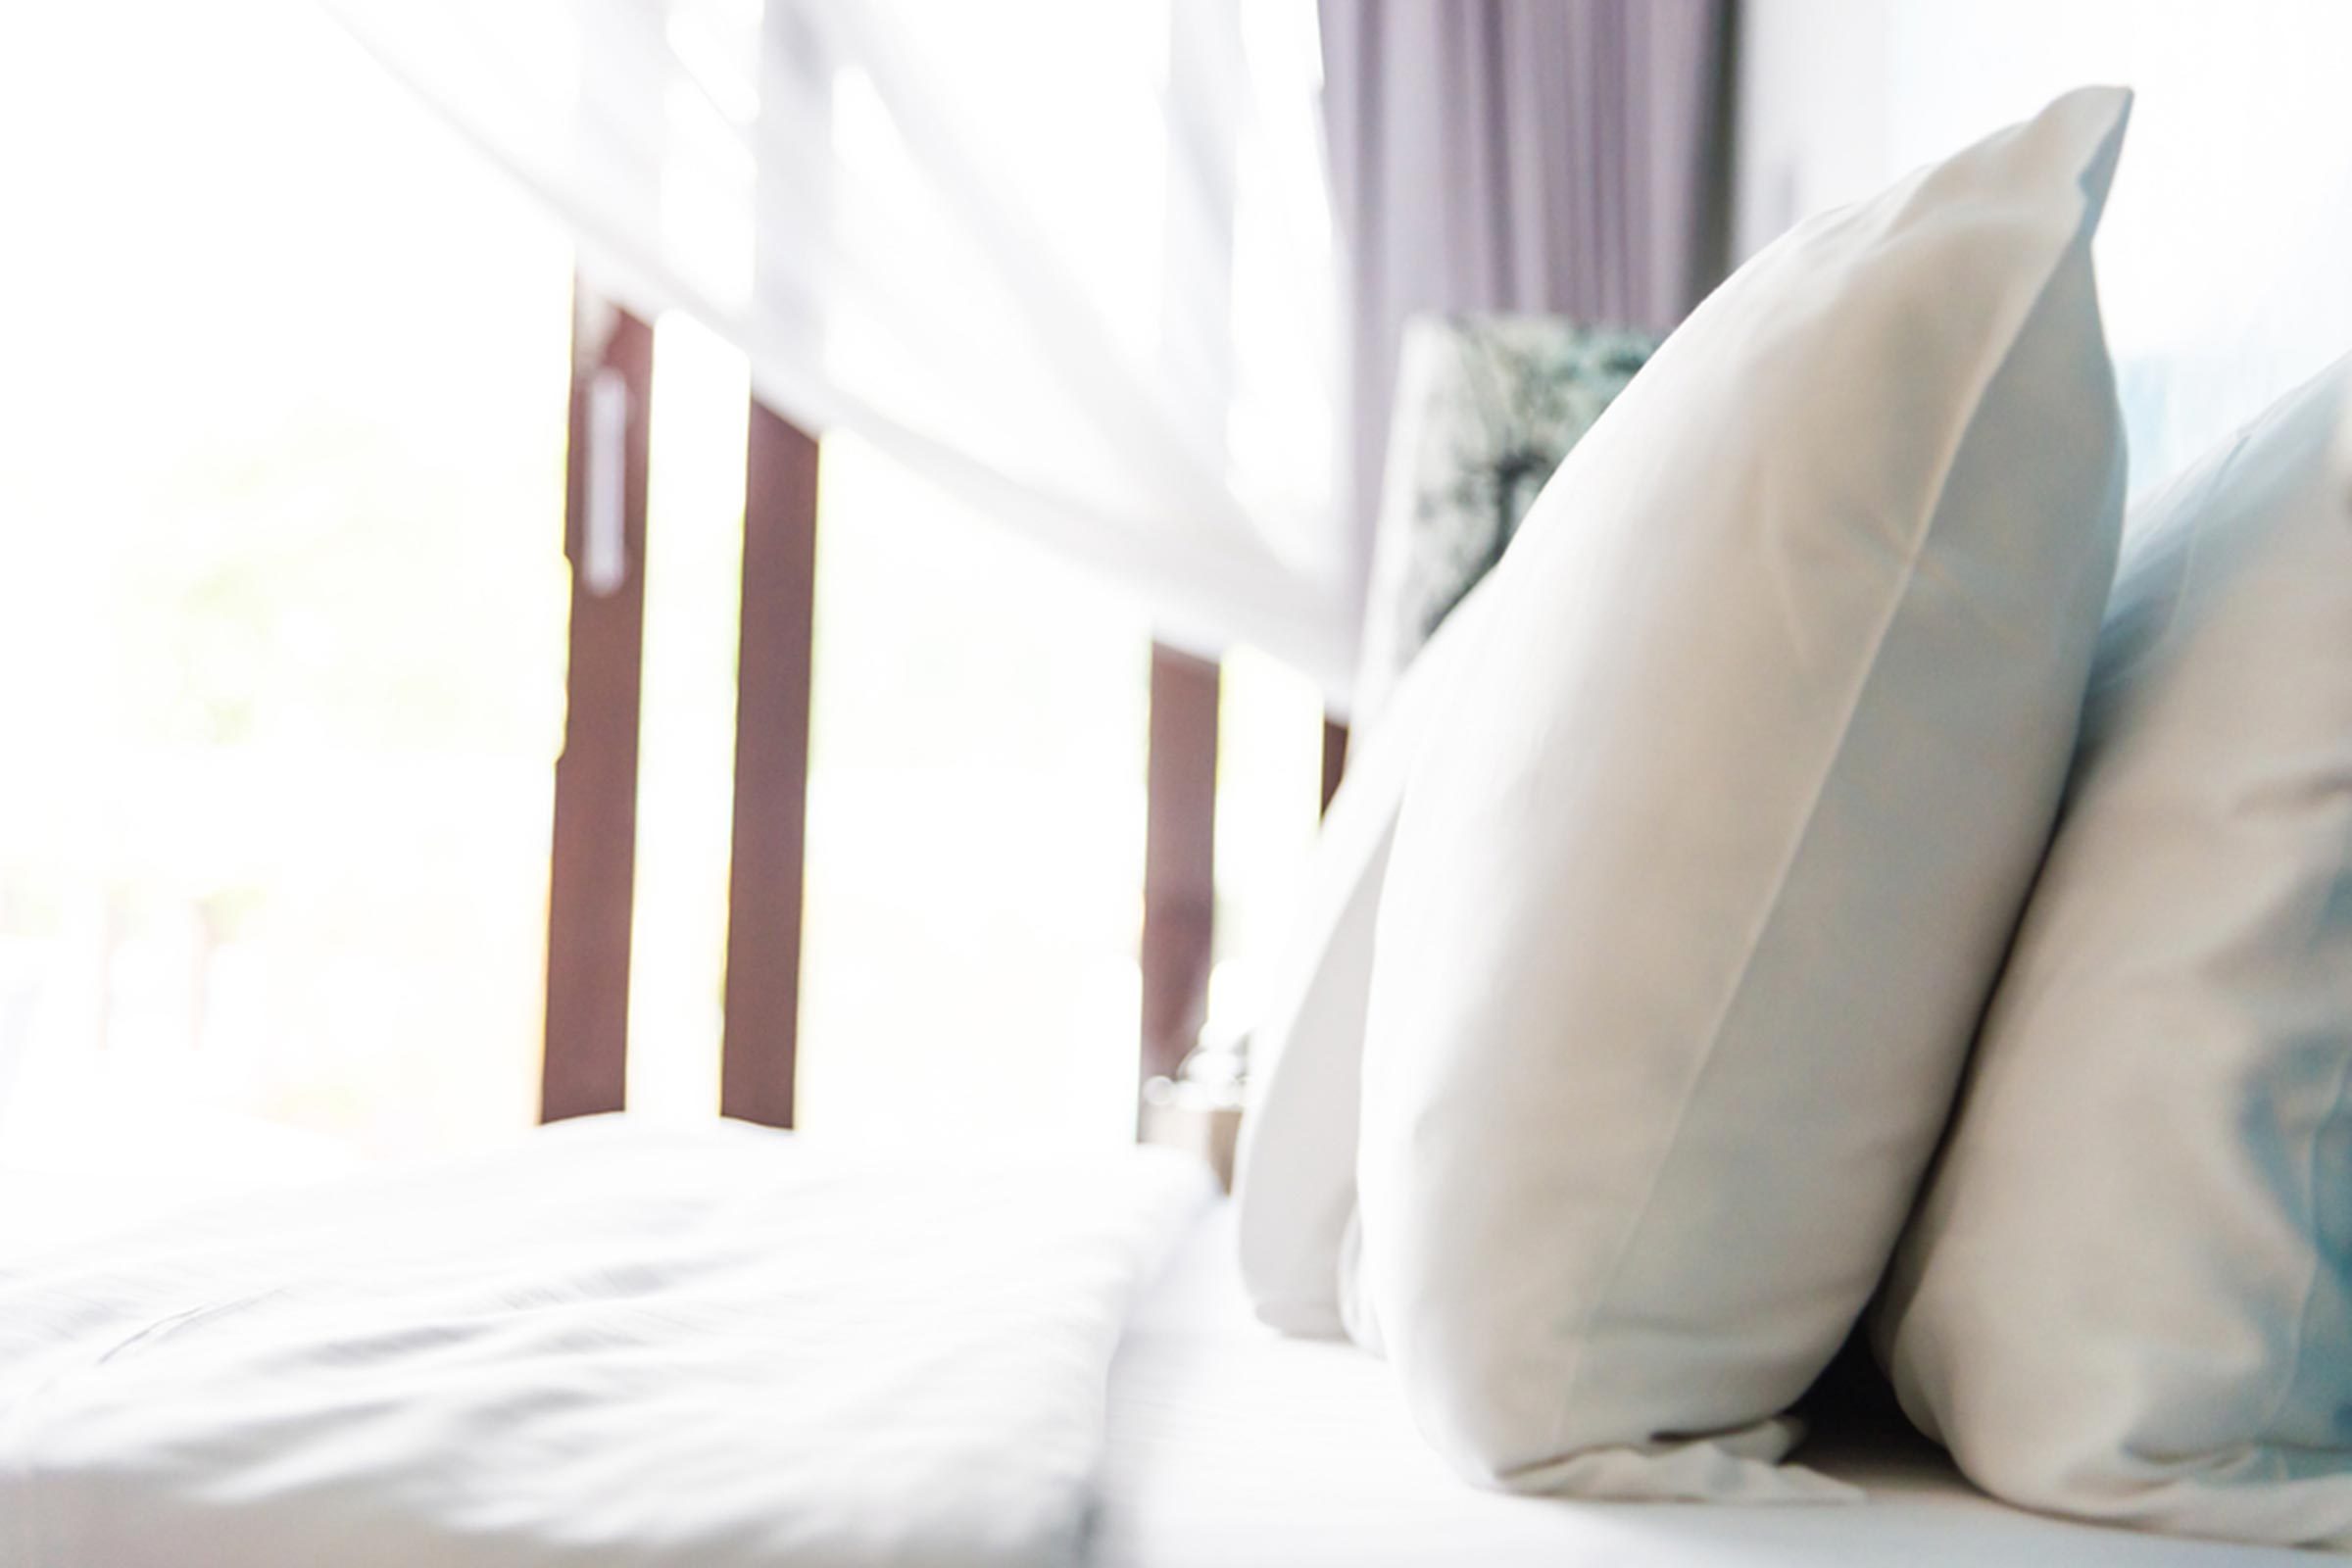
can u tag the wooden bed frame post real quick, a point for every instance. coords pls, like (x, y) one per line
(1180, 843)
(593, 860)
(766, 868)
(1334, 756)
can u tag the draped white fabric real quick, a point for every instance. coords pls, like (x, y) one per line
(1072, 261)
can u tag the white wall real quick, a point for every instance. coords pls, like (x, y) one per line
(2226, 257)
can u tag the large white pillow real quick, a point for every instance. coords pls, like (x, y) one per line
(1295, 1189)
(2127, 1292)
(1702, 878)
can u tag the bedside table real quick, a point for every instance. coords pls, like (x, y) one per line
(1204, 1118)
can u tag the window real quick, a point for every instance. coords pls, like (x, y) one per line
(284, 618)
(686, 720)
(975, 829)
(285, 628)
(1269, 801)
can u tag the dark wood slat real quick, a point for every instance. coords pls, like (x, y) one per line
(1180, 843)
(592, 876)
(766, 876)
(1335, 757)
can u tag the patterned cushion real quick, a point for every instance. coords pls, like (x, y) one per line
(1487, 406)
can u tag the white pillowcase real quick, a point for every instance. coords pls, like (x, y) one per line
(1295, 1191)
(1701, 881)
(2127, 1294)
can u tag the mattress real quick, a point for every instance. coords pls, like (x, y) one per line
(1229, 1445)
(1225, 1444)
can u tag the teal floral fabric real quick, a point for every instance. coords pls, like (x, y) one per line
(1513, 395)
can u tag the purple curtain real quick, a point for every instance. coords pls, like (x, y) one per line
(1564, 157)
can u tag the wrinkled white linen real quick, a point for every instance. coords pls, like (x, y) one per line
(1233, 1447)
(610, 1345)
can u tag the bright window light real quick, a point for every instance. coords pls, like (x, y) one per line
(1269, 799)
(284, 611)
(975, 830)
(686, 723)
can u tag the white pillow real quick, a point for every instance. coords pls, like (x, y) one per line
(1701, 881)
(1295, 1190)
(2127, 1294)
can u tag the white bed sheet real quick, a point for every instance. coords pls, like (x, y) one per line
(609, 1346)
(1230, 1446)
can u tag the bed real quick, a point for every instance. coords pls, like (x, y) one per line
(616, 1344)
(1231, 1445)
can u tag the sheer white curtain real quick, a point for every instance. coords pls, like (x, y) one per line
(1072, 260)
